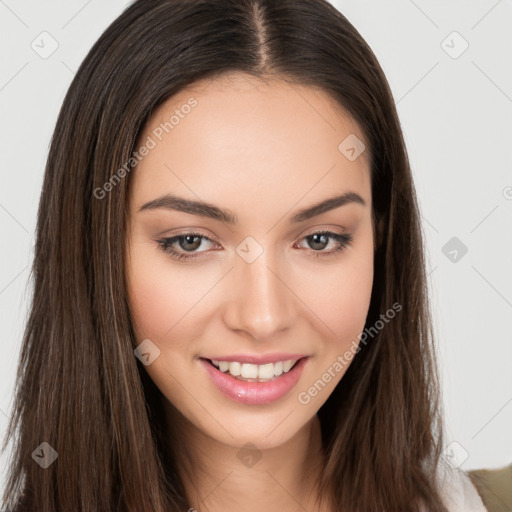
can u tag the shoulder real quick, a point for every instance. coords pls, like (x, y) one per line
(457, 490)
(495, 487)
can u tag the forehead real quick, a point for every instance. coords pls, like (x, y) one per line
(240, 138)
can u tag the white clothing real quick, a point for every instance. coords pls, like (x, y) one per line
(458, 492)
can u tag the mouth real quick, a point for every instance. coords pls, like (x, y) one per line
(254, 384)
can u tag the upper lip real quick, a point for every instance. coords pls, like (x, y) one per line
(258, 359)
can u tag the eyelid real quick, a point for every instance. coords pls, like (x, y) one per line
(322, 228)
(187, 231)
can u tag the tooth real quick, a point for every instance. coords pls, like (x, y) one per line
(278, 368)
(234, 368)
(287, 365)
(249, 371)
(266, 371)
(262, 372)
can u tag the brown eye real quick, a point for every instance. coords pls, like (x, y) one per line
(189, 242)
(317, 242)
(187, 245)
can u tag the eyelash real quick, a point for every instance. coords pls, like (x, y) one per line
(343, 240)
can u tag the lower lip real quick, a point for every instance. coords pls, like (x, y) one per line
(255, 392)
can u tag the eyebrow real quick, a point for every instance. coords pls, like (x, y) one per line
(203, 209)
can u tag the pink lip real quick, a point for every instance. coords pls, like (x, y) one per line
(258, 358)
(255, 392)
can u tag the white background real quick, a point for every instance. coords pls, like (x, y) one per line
(456, 115)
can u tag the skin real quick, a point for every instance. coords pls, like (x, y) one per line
(263, 151)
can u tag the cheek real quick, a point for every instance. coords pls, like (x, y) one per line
(350, 294)
(339, 295)
(151, 303)
(162, 297)
(169, 300)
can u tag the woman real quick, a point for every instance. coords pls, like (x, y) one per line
(230, 305)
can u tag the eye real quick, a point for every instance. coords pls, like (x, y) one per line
(188, 242)
(320, 239)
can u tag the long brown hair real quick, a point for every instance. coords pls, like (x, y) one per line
(79, 386)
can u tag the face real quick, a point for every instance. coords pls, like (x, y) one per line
(258, 275)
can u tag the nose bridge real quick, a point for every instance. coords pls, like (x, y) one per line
(261, 303)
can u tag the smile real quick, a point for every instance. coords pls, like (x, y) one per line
(254, 384)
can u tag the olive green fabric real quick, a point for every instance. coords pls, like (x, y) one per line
(494, 487)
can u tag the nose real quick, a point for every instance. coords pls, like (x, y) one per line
(261, 302)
